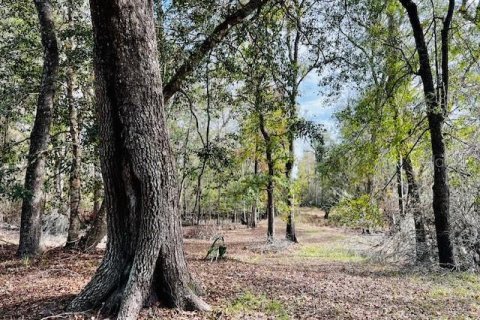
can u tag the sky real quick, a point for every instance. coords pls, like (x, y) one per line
(315, 106)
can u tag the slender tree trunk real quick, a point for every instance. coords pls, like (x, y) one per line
(97, 193)
(413, 205)
(96, 232)
(292, 118)
(183, 188)
(436, 110)
(401, 205)
(98, 227)
(270, 207)
(58, 159)
(198, 198)
(253, 215)
(206, 146)
(33, 202)
(4, 124)
(290, 229)
(270, 185)
(75, 194)
(144, 255)
(75, 173)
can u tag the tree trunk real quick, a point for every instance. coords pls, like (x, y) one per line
(96, 232)
(144, 255)
(33, 202)
(270, 185)
(270, 207)
(198, 198)
(253, 216)
(292, 118)
(75, 173)
(97, 192)
(290, 229)
(413, 204)
(401, 206)
(98, 227)
(436, 110)
(58, 161)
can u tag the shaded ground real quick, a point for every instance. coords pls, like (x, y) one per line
(325, 277)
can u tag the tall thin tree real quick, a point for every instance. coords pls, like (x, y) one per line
(75, 181)
(33, 202)
(436, 98)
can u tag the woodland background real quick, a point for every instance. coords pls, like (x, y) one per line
(405, 113)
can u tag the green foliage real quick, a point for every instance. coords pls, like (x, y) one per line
(357, 212)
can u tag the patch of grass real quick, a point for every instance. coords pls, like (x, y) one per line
(26, 262)
(463, 285)
(249, 302)
(323, 233)
(331, 253)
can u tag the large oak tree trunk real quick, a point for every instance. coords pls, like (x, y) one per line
(33, 202)
(144, 255)
(436, 101)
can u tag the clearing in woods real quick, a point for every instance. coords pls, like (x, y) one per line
(328, 275)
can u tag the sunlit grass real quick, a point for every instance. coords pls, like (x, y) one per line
(335, 253)
(462, 285)
(249, 302)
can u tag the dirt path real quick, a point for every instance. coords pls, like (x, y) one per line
(323, 277)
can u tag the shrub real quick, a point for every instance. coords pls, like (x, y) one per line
(360, 212)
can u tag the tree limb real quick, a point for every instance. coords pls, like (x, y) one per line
(199, 52)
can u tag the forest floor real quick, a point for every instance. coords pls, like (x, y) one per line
(328, 275)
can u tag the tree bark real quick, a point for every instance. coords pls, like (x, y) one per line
(401, 205)
(271, 173)
(290, 228)
(293, 82)
(75, 194)
(253, 215)
(144, 256)
(97, 231)
(413, 204)
(98, 227)
(436, 110)
(97, 191)
(33, 202)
